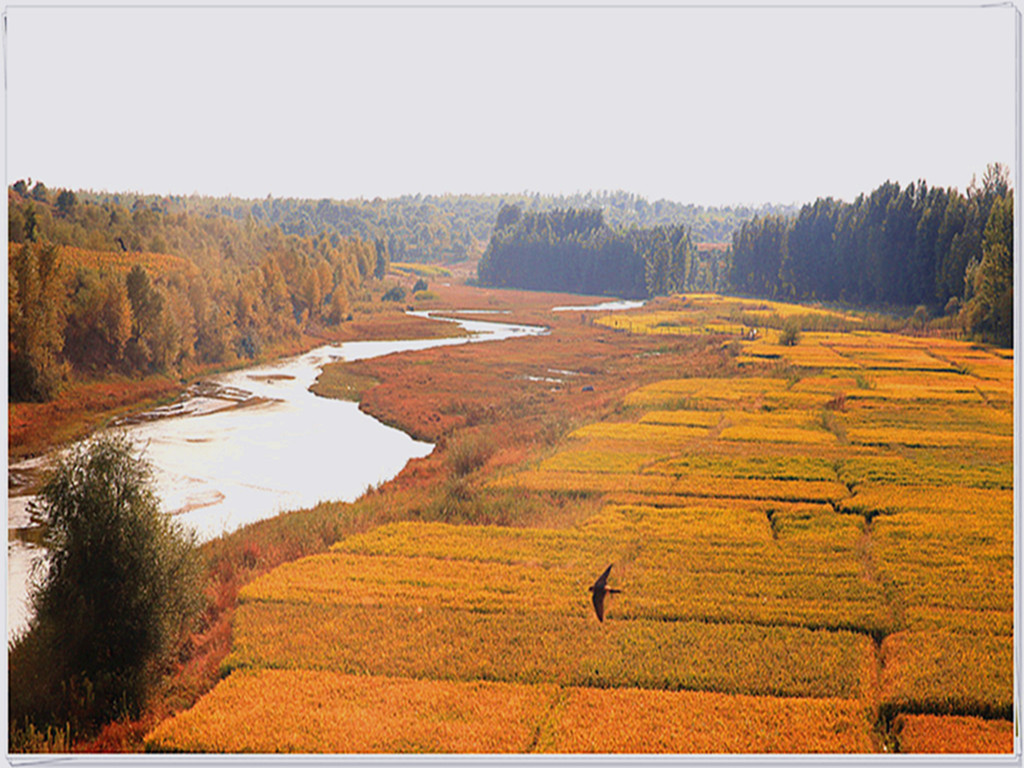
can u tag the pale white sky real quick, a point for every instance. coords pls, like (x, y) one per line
(699, 105)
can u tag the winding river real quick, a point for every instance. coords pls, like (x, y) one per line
(253, 443)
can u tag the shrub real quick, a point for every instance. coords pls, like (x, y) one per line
(790, 335)
(421, 285)
(394, 293)
(118, 596)
(468, 454)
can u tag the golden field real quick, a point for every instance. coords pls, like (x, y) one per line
(814, 550)
(310, 711)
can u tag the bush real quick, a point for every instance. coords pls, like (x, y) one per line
(421, 285)
(790, 335)
(394, 293)
(118, 597)
(468, 454)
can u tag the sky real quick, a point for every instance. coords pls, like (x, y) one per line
(703, 105)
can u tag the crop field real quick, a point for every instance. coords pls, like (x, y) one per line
(814, 552)
(954, 734)
(290, 711)
(407, 269)
(72, 258)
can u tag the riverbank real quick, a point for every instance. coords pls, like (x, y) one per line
(87, 405)
(216, 452)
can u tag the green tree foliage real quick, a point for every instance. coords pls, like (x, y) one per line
(900, 246)
(757, 255)
(117, 598)
(709, 268)
(66, 201)
(381, 265)
(990, 309)
(574, 250)
(790, 335)
(667, 253)
(145, 346)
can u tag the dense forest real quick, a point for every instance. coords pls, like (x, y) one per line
(443, 228)
(949, 252)
(96, 288)
(575, 250)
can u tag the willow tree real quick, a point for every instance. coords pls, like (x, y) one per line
(117, 597)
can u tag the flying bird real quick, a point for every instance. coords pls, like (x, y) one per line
(600, 590)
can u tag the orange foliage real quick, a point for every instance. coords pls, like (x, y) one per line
(81, 406)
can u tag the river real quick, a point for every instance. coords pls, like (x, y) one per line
(253, 443)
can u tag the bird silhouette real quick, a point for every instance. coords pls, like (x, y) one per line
(599, 591)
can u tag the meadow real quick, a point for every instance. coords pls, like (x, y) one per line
(814, 545)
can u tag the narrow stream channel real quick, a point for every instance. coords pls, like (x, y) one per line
(253, 443)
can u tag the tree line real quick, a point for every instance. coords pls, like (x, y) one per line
(917, 245)
(441, 228)
(89, 293)
(574, 250)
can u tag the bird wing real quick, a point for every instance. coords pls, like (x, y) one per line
(598, 599)
(602, 579)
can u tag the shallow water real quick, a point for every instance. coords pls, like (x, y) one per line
(216, 471)
(605, 306)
